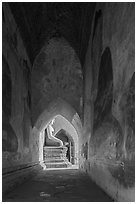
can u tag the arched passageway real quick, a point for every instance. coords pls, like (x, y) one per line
(56, 83)
(65, 118)
(72, 143)
(63, 63)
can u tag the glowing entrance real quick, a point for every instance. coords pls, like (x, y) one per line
(50, 138)
(65, 119)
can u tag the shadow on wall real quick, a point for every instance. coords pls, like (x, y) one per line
(104, 98)
(9, 139)
(111, 144)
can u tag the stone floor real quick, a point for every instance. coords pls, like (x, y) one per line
(69, 185)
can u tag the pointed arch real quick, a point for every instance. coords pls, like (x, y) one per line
(65, 110)
(56, 73)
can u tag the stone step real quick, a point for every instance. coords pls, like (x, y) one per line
(54, 152)
(55, 157)
(53, 160)
(58, 164)
(57, 149)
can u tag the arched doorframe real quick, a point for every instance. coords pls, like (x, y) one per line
(57, 107)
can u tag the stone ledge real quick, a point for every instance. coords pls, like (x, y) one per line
(12, 178)
(9, 170)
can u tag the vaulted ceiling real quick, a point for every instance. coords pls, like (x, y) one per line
(39, 22)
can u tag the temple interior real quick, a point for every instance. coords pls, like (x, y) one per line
(68, 101)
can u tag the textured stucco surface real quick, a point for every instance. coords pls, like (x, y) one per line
(101, 94)
(110, 130)
(56, 73)
(16, 126)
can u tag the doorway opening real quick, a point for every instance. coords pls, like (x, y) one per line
(60, 144)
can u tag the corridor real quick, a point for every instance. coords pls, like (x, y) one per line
(69, 185)
(68, 101)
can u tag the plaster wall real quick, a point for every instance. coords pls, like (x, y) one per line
(17, 141)
(109, 131)
(107, 139)
(56, 73)
(16, 126)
